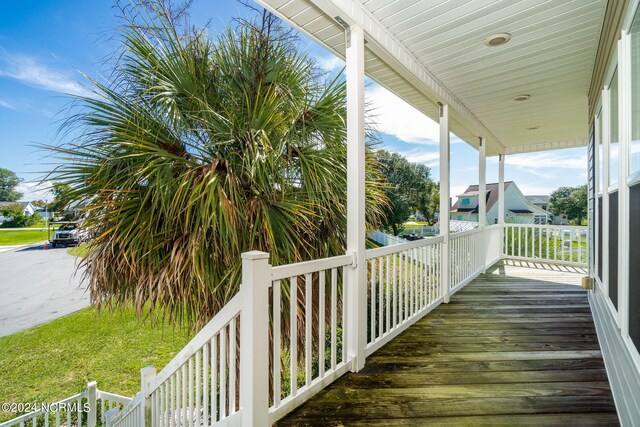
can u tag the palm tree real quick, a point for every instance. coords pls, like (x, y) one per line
(199, 150)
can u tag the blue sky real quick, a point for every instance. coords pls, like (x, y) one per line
(47, 46)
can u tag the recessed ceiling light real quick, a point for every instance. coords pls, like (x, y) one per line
(523, 97)
(497, 39)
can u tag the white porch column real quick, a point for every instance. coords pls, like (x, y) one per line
(482, 184)
(445, 206)
(501, 202)
(482, 191)
(356, 276)
(254, 339)
(501, 189)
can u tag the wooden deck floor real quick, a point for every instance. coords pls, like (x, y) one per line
(516, 347)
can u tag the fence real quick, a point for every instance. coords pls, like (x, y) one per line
(558, 244)
(87, 408)
(385, 239)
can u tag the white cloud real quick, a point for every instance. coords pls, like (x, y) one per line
(8, 105)
(548, 160)
(330, 63)
(397, 118)
(31, 72)
(456, 190)
(35, 190)
(420, 155)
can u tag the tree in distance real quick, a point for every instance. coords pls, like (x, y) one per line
(570, 202)
(8, 183)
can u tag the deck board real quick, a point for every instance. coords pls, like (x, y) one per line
(517, 346)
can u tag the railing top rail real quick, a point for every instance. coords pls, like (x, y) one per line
(552, 226)
(43, 410)
(305, 267)
(133, 404)
(220, 320)
(493, 226)
(392, 249)
(112, 396)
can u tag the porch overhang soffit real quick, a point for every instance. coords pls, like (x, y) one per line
(428, 52)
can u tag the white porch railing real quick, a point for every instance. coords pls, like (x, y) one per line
(320, 328)
(471, 252)
(87, 408)
(283, 337)
(404, 284)
(557, 244)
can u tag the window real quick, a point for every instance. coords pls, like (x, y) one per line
(634, 267)
(600, 242)
(464, 202)
(634, 148)
(539, 219)
(634, 190)
(613, 248)
(614, 145)
(460, 217)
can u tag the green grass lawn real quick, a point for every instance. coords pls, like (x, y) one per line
(21, 237)
(56, 360)
(78, 250)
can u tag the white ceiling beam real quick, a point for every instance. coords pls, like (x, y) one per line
(546, 146)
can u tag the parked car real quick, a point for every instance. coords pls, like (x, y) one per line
(67, 234)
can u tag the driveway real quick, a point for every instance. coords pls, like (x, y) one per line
(37, 286)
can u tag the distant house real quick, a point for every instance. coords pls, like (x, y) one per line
(540, 201)
(27, 209)
(518, 208)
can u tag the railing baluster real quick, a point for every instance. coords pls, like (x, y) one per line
(223, 373)
(172, 399)
(372, 302)
(322, 323)
(407, 280)
(344, 313)
(214, 378)
(380, 317)
(232, 366)
(411, 282)
(519, 241)
(178, 411)
(308, 323)
(395, 290)
(189, 418)
(334, 315)
(205, 385)
(400, 285)
(198, 373)
(293, 335)
(388, 285)
(579, 246)
(547, 237)
(276, 345)
(539, 242)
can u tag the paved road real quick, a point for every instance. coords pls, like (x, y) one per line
(37, 286)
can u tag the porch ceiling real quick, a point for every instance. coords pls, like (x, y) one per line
(433, 51)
